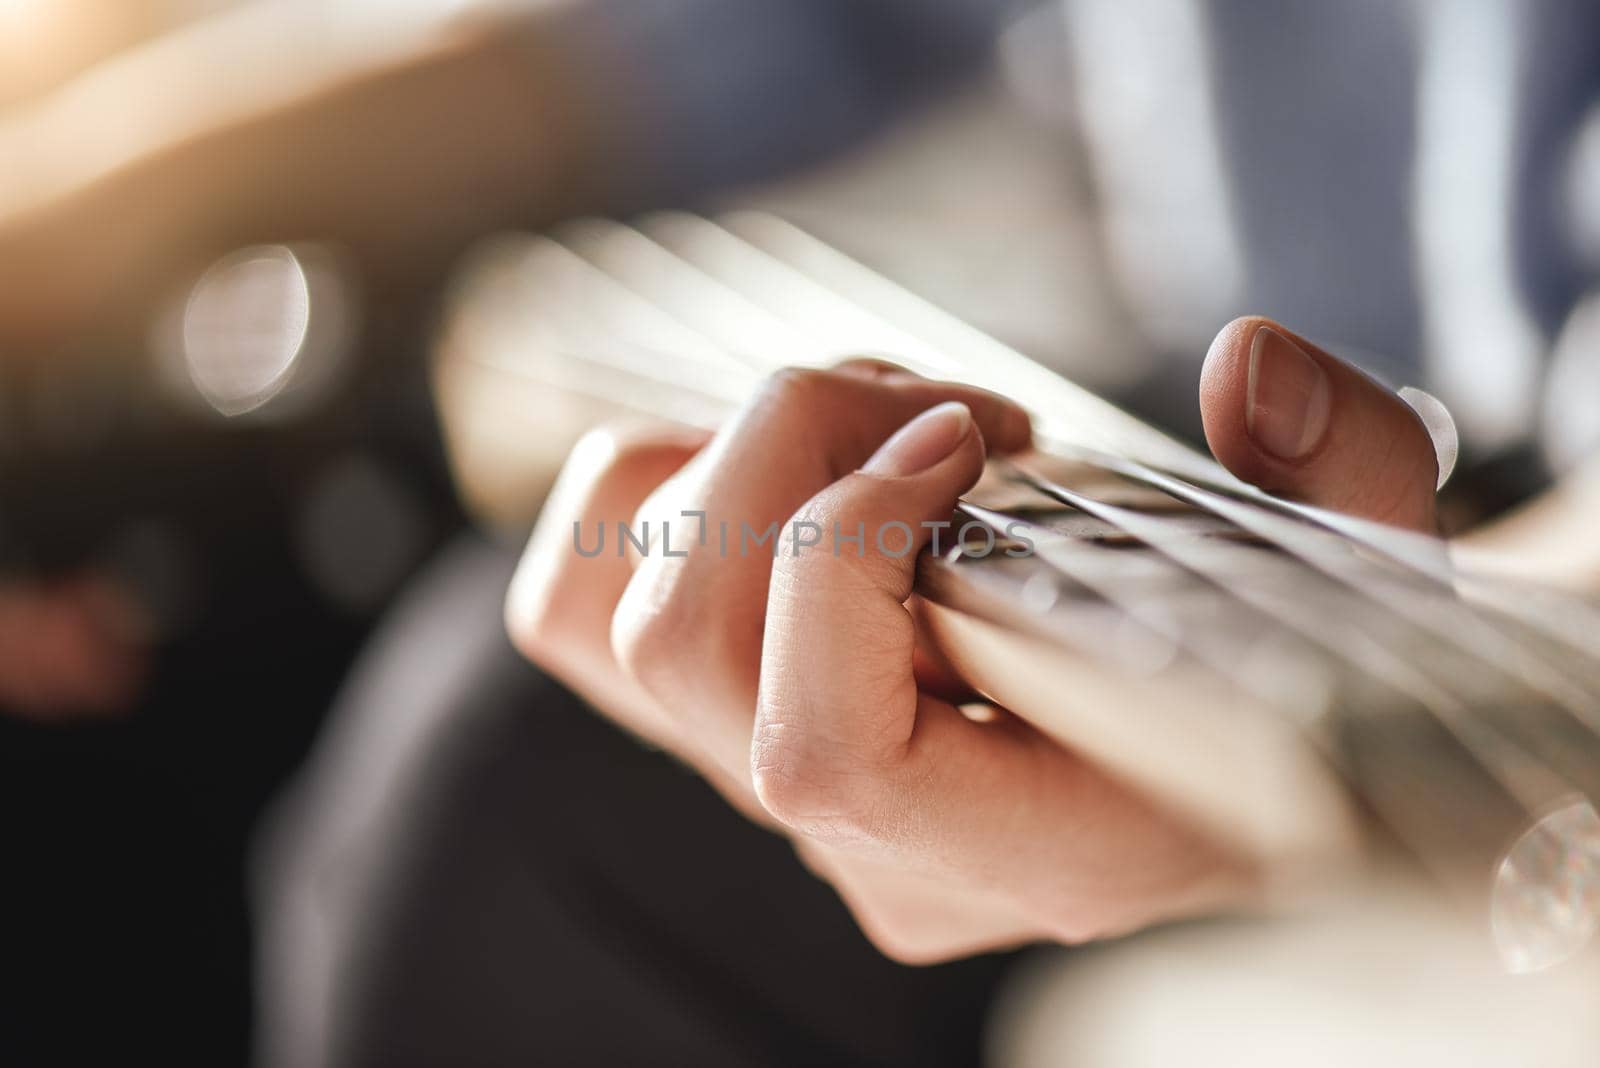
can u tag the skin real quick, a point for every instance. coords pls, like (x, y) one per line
(1375, 458)
(795, 686)
(929, 826)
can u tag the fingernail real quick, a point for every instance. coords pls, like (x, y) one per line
(1287, 397)
(923, 442)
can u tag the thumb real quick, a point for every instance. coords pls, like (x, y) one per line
(1285, 415)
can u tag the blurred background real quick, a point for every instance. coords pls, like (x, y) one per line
(228, 233)
(246, 559)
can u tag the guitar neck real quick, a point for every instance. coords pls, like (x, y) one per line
(1255, 663)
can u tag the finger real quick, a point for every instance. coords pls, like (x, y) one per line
(1285, 415)
(689, 627)
(837, 622)
(560, 602)
(848, 751)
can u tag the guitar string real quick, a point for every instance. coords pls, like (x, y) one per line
(1083, 564)
(780, 286)
(783, 280)
(1569, 622)
(1020, 377)
(1563, 620)
(1434, 608)
(1523, 776)
(860, 280)
(1415, 831)
(711, 290)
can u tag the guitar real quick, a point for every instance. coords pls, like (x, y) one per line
(1313, 689)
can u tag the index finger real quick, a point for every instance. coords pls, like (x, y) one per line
(689, 626)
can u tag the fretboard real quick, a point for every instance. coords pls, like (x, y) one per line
(1248, 659)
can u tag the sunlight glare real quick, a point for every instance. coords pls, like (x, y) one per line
(17, 15)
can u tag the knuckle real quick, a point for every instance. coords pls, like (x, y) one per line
(793, 391)
(794, 401)
(789, 386)
(786, 786)
(873, 367)
(805, 789)
(660, 639)
(645, 644)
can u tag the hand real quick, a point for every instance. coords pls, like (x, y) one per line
(795, 684)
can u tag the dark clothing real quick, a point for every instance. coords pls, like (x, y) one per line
(477, 869)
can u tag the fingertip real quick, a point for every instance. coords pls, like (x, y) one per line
(1286, 415)
(923, 442)
(1227, 360)
(1224, 387)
